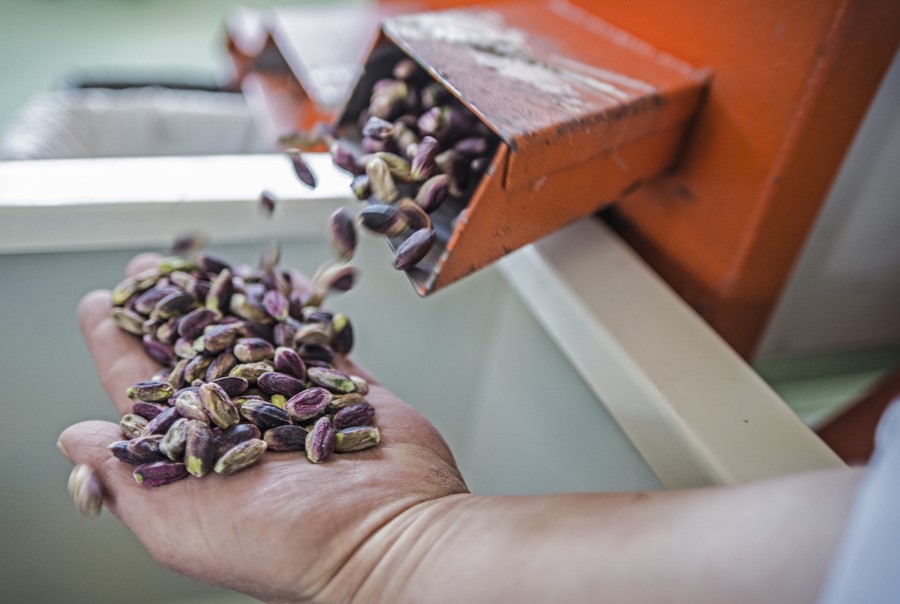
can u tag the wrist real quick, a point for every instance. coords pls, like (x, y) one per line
(396, 561)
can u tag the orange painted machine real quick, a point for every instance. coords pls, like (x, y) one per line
(715, 174)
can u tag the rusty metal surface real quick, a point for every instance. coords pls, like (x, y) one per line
(555, 91)
(583, 114)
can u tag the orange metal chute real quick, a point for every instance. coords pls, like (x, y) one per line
(582, 114)
(791, 83)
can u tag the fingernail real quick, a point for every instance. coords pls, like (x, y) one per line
(62, 449)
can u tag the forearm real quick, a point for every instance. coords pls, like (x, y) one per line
(769, 541)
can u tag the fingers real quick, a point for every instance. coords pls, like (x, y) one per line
(139, 508)
(85, 443)
(119, 357)
(141, 262)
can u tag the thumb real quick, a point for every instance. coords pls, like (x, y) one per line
(85, 443)
(147, 512)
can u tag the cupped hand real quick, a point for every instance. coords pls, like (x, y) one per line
(284, 529)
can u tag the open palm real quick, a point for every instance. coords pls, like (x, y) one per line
(284, 529)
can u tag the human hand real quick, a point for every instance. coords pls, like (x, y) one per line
(284, 529)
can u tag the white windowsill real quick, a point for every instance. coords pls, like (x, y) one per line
(63, 205)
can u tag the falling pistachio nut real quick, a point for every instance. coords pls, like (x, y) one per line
(414, 249)
(414, 140)
(343, 233)
(86, 490)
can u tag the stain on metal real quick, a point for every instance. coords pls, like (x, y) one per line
(581, 117)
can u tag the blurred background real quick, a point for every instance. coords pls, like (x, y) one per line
(53, 48)
(48, 44)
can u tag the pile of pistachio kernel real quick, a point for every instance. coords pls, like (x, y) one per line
(247, 366)
(418, 147)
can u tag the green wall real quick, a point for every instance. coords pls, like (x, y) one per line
(43, 40)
